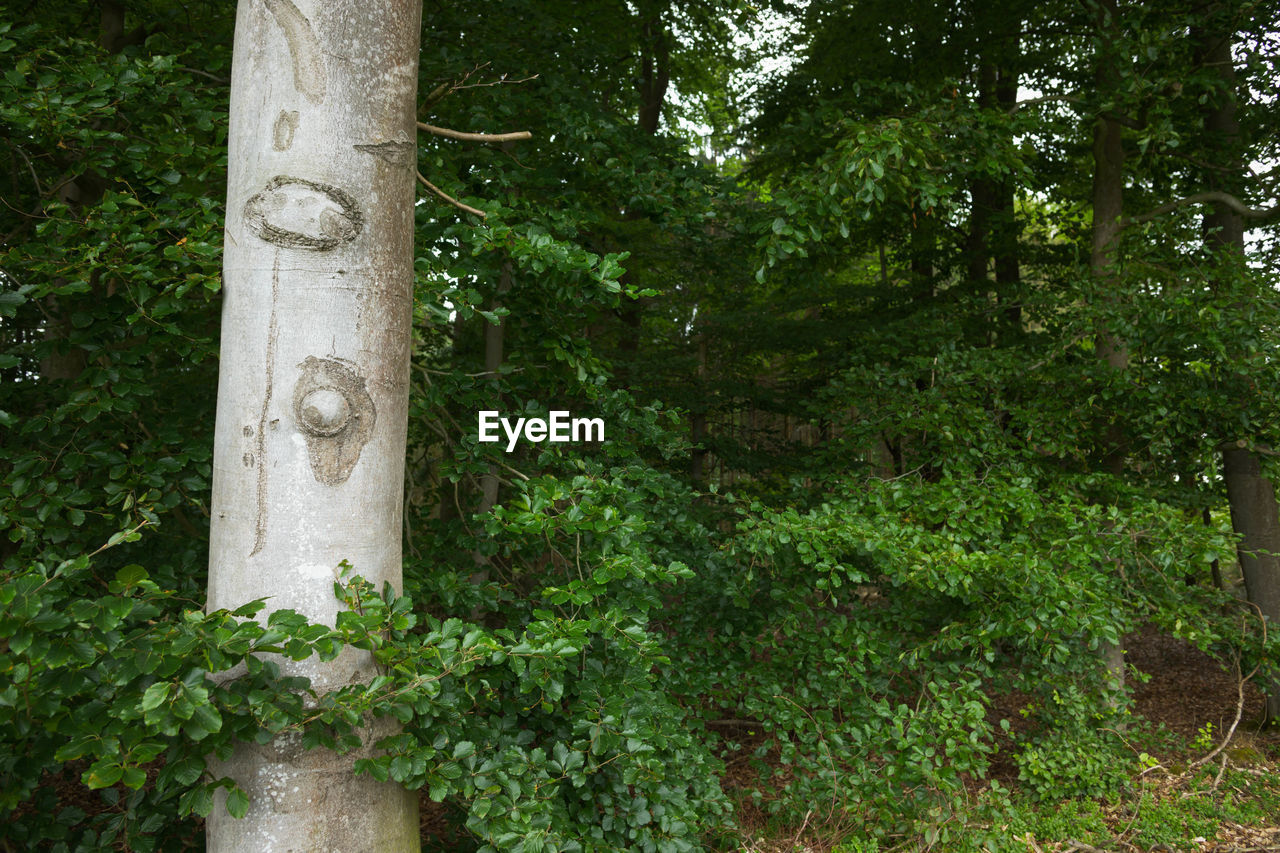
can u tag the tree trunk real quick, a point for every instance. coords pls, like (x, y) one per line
(982, 192)
(1108, 199)
(313, 385)
(1255, 516)
(655, 72)
(1108, 207)
(698, 422)
(494, 342)
(1005, 230)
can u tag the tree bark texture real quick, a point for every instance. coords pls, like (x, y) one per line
(313, 383)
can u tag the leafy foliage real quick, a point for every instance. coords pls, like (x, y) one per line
(870, 509)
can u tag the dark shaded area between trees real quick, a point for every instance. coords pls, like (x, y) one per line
(941, 372)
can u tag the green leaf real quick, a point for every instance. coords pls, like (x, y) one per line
(134, 777)
(237, 802)
(104, 773)
(155, 695)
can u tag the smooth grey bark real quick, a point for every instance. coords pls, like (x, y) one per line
(313, 384)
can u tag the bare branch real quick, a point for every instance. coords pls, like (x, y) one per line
(447, 88)
(1196, 161)
(1211, 197)
(1240, 680)
(1242, 444)
(223, 80)
(475, 137)
(438, 94)
(453, 201)
(502, 80)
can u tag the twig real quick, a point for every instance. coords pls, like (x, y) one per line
(1086, 848)
(438, 94)
(474, 137)
(447, 88)
(32, 168)
(463, 84)
(1222, 768)
(795, 839)
(1239, 712)
(215, 78)
(453, 201)
(519, 474)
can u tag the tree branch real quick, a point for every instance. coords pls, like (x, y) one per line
(224, 81)
(1071, 99)
(453, 201)
(1139, 123)
(474, 137)
(1210, 196)
(438, 94)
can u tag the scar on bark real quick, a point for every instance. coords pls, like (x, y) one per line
(260, 522)
(295, 213)
(285, 126)
(304, 48)
(335, 414)
(395, 153)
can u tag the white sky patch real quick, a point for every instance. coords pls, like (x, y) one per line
(760, 47)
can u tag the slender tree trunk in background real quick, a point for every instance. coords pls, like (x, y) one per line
(1005, 225)
(651, 85)
(982, 192)
(993, 229)
(494, 343)
(313, 385)
(698, 422)
(655, 71)
(79, 192)
(1108, 202)
(1108, 207)
(1255, 516)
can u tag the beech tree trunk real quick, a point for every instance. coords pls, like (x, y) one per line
(313, 385)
